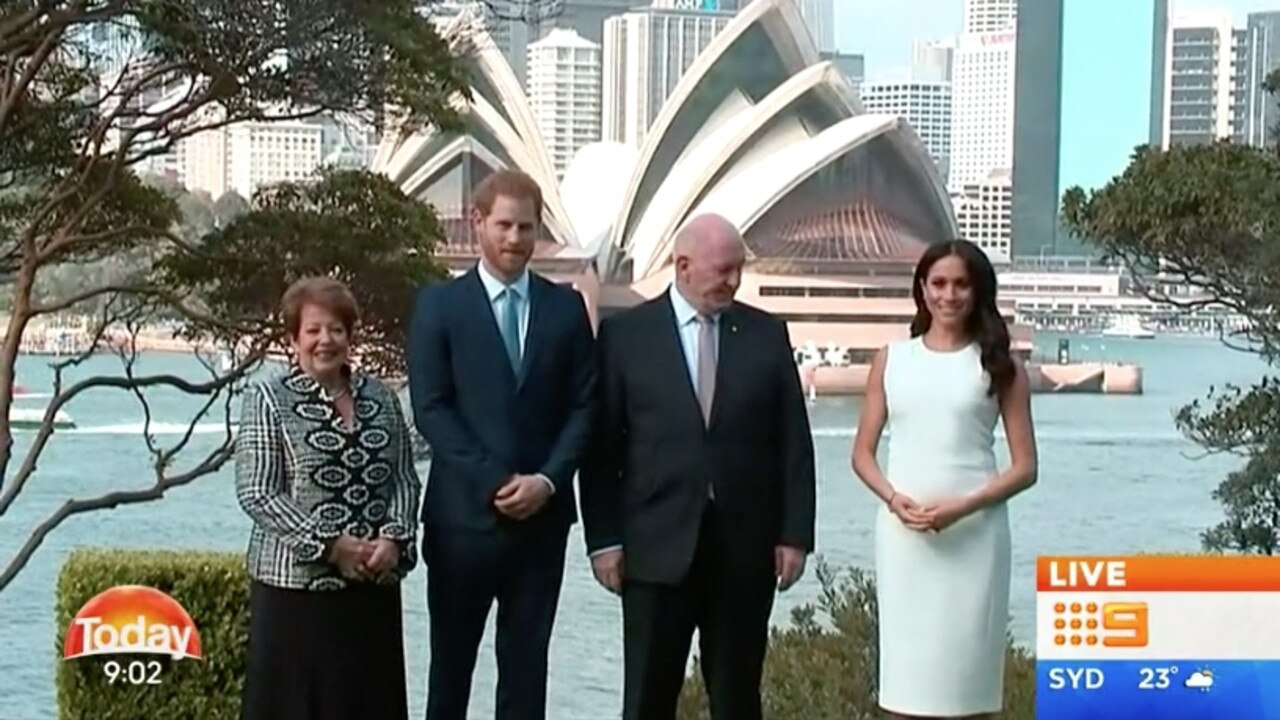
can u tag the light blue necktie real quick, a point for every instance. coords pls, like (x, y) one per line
(511, 327)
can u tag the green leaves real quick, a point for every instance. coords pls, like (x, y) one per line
(97, 92)
(79, 119)
(1208, 218)
(1204, 216)
(352, 225)
(1236, 420)
(1251, 496)
(825, 666)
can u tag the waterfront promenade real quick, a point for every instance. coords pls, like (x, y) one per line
(1105, 377)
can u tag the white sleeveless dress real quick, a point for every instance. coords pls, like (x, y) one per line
(944, 598)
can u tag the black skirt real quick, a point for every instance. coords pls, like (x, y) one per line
(325, 655)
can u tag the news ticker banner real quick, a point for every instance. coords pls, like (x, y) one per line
(1152, 636)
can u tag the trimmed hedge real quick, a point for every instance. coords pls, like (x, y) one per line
(828, 668)
(816, 669)
(214, 590)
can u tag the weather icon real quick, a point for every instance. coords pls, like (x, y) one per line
(1201, 680)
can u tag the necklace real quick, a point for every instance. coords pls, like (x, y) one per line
(335, 396)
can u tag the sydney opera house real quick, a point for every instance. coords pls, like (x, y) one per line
(835, 204)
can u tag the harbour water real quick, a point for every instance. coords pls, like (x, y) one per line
(1115, 477)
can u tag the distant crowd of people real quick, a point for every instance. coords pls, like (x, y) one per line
(684, 424)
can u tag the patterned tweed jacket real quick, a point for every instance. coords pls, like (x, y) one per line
(305, 479)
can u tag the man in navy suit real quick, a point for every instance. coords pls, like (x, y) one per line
(501, 377)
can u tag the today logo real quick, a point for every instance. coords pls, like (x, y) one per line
(129, 619)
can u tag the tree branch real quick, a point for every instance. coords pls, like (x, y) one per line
(62, 398)
(212, 463)
(9, 102)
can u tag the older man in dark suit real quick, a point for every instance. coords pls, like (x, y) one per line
(501, 373)
(698, 495)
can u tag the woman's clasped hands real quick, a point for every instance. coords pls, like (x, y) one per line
(930, 518)
(360, 559)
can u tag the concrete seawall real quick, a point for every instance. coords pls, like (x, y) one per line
(1099, 378)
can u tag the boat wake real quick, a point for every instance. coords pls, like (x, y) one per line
(136, 428)
(1061, 435)
(1085, 437)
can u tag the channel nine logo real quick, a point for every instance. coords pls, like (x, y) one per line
(132, 619)
(1111, 624)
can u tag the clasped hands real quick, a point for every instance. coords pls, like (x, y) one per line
(365, 559)
(522, 496)
(933, 517)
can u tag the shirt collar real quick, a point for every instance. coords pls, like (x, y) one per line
(300, 382)
(494, 287)
(685, 312)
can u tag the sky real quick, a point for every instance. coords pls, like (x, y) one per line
(1105, 96)
(883, 30)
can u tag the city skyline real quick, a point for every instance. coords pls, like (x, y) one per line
(1096, 146)
(884, 30)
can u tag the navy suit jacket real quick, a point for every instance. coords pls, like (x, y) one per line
(485, 422)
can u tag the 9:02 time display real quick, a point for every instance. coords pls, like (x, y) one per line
(134, 672)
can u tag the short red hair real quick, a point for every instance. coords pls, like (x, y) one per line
(509, 183)
(330, 294)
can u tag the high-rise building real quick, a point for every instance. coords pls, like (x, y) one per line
(984, 214)
(345, 141)
(1037, 131)
(564, 93)
(1159, 60)
(645, 53)
(246, 156)
(1197, 78)
(1257, 111)
(204, 156)
(926, 106)
(263, 153)
(923, 99)
(933, 61)
(587, 17)
(983, 91)
(989, 16)
(1239, 81)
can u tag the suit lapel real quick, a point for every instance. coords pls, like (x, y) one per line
(670, 353)
(729, 350)
(533, 335)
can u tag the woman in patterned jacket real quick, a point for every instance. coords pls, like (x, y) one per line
(324, 467)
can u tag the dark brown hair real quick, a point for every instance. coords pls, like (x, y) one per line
(984, 325)
(510, 183)
(324, 292)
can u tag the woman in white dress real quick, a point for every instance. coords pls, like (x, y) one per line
(942, 534)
